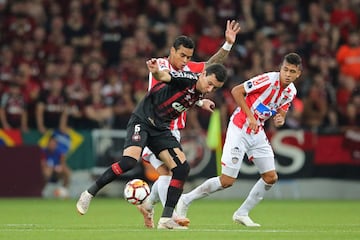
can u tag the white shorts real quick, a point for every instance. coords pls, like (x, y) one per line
(150, 157)
(255, 146)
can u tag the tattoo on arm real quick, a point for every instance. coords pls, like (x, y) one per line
(218, 57)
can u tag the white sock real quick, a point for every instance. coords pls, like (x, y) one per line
(255, 196)
(154, 193)
(206, 188)
(163, 183)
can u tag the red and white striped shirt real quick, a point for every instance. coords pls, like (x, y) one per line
(163, 63)
(265, 97)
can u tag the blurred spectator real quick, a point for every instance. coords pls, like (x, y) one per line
(54, 167)
(124, 104)
(227, 9)
(97, 113)
(159, 19)
(209, 41)
(7, 68)
(76, 32)
(347, 86)
(18, 25)
(76, 86)
(350, 119)
(50, 106)
(316, 106)
(94, 71)
(112, 33)
(76, 91)
(29, 56)
(348, 56)
(13, 112)
(30, 90)
(344, 18)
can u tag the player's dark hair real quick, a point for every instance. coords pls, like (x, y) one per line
(219, 70)
(294, 58)
(183, 41)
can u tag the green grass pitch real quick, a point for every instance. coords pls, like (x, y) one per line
(113, 218)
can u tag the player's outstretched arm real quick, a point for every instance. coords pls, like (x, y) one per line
(153, 67)
(232, 29)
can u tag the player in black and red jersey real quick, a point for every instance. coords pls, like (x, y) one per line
(149, 126)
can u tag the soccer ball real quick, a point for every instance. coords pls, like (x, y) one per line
(136, 191)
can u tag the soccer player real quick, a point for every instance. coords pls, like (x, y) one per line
(265, 96)
(177, 61)
(149, 126)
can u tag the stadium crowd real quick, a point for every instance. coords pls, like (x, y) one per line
(88, 56)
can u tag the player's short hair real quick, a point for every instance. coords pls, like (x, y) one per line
(293, 58)
(219, 70)
(184, 41)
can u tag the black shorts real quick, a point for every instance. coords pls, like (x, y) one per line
(142, 134)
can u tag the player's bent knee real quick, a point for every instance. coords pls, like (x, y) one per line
(226, 181)
(181, 171)
(270, 177)
(163, 170)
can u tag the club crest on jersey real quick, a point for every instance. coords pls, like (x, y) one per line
(235, 155)
(249, 84)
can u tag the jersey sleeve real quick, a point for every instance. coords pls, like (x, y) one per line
(164, 65)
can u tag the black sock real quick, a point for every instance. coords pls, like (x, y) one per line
(125, 164)
(171, 201)
(107, 177)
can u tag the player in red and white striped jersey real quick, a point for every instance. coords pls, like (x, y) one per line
(179, 60)
(263, 97)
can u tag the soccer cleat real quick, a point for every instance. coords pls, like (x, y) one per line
(182, 221)
(181, 208)
(83, 203)
(169, 223)
(148, 213)
(245, 220)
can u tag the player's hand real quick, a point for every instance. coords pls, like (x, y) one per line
(232, 29)
(279, 120)
(208, 105)
(253, 124)
(152, 65)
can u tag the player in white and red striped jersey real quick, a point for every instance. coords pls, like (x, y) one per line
(265, 96)
(179, 60)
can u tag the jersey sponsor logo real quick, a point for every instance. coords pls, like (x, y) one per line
(184, 75)
(261, 79)
(178, 107)
(264, 111)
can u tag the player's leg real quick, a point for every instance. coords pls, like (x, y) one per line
(175, 160)
(231, 162)
(264, 161)
(161, 185)
(135, 141)
(158, 189)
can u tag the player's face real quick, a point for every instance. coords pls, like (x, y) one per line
(208, 84)
(288, 73)
(179, 58)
